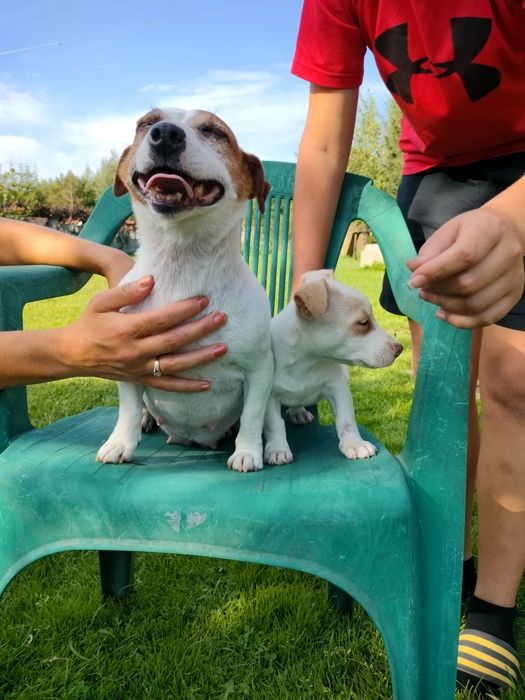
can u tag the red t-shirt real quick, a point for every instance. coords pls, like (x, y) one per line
(456, 70)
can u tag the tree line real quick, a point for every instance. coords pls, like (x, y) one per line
(375, 154)
(24, 195)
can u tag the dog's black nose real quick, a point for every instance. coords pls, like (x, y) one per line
(167, 138)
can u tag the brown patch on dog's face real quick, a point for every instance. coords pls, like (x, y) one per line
(363, 324)
(246, 170)
(358, 313)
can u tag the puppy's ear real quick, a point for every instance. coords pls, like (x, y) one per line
(317, 275)
(311, 299)
(260, 187)
(119, 185)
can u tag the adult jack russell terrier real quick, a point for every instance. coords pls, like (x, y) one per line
(189, 182)
(327, 326)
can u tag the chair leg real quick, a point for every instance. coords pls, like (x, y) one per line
(116, 573)
(341, 600)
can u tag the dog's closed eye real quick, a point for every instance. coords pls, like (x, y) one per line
(212, 130)
(362, 325)
(149, 120)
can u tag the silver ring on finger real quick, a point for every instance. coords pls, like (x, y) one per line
(156, 368)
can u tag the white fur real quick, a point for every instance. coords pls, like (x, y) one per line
(197, 252)
(311, 355)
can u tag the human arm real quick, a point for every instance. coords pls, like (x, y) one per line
(472, 267)
(107, 343)
(321, 164)
(23, 243)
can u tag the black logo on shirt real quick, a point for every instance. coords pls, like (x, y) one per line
(469, 36)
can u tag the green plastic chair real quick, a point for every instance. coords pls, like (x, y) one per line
(388, 531)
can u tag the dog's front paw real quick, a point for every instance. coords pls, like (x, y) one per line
(356, 448)
(116, 451)
(245, 461)
(299, 415)
(277, 454)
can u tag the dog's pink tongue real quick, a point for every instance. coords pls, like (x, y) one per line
(166, 182)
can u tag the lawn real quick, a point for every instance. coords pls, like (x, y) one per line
(195, 628)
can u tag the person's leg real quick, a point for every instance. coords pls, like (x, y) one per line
(486, 649)
(501, 468)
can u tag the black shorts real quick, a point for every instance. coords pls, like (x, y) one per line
(429, 199)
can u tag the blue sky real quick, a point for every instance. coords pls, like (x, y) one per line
(76, 74)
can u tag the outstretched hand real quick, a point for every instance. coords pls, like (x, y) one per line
(471, 268)
(105, 342)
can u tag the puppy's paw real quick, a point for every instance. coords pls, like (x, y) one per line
(356, 448)
(116, 451)
(277, 454)
(245, 461)
(299, 415)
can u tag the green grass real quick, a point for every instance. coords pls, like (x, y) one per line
(195, 628)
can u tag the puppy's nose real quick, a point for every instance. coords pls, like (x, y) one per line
(397, 348)
(167, 138)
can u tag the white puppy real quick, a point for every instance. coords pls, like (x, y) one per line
(189, 182)
(327, 326)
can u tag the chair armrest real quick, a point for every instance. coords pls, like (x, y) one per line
(22, 284)
(25, 283)
(436, 433)
(18, 286)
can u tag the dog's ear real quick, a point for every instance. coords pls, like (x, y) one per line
(311, 299)
(317, 275)
(260, 187)
(119, 186)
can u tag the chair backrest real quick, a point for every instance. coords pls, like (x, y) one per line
(267, 238)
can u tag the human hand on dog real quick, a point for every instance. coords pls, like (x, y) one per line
(107, 343)
(472, 268)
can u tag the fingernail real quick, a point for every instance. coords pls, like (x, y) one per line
(218, 317)
(441, 315)
(203, 302)
(416, 281)
(205, 386)
(219, 350)
(145, 281)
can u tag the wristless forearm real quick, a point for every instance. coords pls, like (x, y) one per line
(31, 357)
(317, 189)
(22, 243)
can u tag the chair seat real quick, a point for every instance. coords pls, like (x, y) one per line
(181, 499)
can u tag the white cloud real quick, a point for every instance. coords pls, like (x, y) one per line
(265, 110)
(99, 135)
(19, 106)
(19, 150)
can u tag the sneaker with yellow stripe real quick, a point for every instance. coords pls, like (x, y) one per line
(487, 659)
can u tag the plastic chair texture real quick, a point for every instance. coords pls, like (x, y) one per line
(388, 530)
